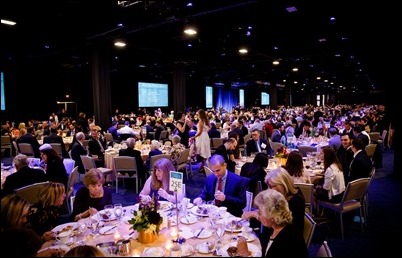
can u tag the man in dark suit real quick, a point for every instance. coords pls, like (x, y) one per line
(54, 138)
(30, 138)
(345, 153)
(96, 146)
(23, 177)
(256, 144)
(226, 151)
(358, 133)
(77, 150)
(131, 152)
(361, 164)
(227, 189)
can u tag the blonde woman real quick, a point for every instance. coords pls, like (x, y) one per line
(202, 140)
(14, 211)
(274, 213)
(46, 214)
(158, 183)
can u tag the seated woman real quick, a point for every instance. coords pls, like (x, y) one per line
(255, 171)
(176, 149)
(158, 183)
(286, 239)
(47, 213)
(92, 197)
(55, 169)
(295, 168)
(333, 188)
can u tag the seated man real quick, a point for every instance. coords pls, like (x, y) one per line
(227, 189)
(23, 176)
(226, 151)
(256, 144)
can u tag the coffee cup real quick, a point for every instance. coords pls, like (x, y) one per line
(64, 237)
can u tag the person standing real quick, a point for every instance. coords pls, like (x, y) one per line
(202, 140)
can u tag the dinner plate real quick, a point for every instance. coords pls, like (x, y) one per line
(205, 233)
(163, 205)
(65, 248)
(255, 251)
(251, 238)
(189, 219)
(65, 227)
(106, 230)
(186, 250)
(237, 229)
(199, 211)
(205, 247)
(154, 252)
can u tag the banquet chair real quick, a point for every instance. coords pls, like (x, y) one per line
(370, 149)
(352, 199)
(275, 146)
(374, 136)
(88, 163)
(365, 197)
(155, 158)
(324, 250)
(309, 228)
(57, 148)
(208, 171)
(6, 144)
(249, 198)
(123, 167)
(183, 161)
(26, 149)
(303, 149)
(382, 138)
(30, 192)
(307, 191)
(70, 188)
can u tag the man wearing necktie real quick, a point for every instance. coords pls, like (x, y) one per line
(226, 188)
(257, 144)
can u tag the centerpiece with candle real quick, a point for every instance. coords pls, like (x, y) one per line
(146, 221)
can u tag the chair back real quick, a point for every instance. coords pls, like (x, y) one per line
(249, 198)
(183, 161)
(57, 148)
(108, 137)
(71, 181)
(164, 135)
(26, 148)
(155, 158)
(30, 192)
(307, 191)
(88, 162)
(303, 149)
(309, 228)
(324, 250)
(6, 143)
(370, 149)
(275, 146)
(208, 171)
(374, 136)
(216, 142)
(355, 190)
(122, 166)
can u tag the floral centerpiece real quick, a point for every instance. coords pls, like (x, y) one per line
(147, 220)
(282, 154)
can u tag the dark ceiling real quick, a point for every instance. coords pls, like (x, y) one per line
(342, 51)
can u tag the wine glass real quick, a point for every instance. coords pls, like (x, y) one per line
(118, 210)
(220, 232)
(232, 223)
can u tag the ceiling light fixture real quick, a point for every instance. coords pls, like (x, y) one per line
(190, 31)
(120, 44)
(8, 22)
(243, 51)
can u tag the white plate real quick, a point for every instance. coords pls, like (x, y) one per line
(154, 252)
(255, 251)
(204, 248)
(189, 219)
(251, 238)
(65, 248)
(186, 250)
(204, 234)
(106, 230)
(65, 227)
(163, 205)
(237, 229)
(195, 211)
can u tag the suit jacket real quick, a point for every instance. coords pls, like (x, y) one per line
(345, 156)
(95, 148)
(23, 177)
(29, 138)
(221, 150)
(54, 138)
(251, 146)
(235, 192)
(360, 167)
(255, 173)
(56, 172)
(76, 151)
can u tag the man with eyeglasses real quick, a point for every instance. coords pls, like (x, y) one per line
(256, 144)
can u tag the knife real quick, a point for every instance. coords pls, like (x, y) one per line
(110, 229)
(199, 233)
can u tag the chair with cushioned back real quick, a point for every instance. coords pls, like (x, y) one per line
(70, 187)
(353, 199)
(307, 191)
(275, 146)
(88, 163)
(155, 158)
(208, 171)
(309, 228)
(57, 148)
(30, 192)
(26, 149)
(324, 250)
(303, 149)
(125, 167)
(184, 162)
(6, 144)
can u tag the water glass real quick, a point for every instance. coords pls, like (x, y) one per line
(108, 210)
(118, 210)
(94, 226)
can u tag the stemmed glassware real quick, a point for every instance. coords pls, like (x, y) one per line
(220, 232)
(118, 210)
(232, 223)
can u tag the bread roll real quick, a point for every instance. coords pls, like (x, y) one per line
(242, 248)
